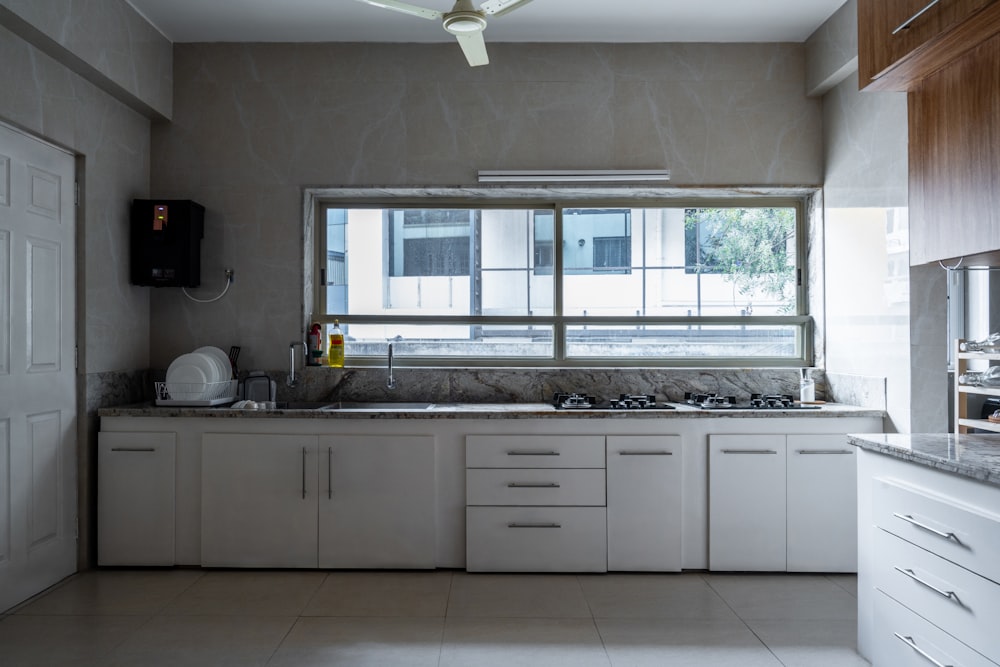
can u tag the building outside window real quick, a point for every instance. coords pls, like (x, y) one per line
(483, 284)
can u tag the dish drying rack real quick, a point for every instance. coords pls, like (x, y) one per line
(212, 393)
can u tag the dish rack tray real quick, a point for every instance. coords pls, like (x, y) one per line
(212, 393)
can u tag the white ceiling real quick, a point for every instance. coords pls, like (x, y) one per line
(538, 21)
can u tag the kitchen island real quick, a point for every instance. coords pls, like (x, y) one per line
(929, 548)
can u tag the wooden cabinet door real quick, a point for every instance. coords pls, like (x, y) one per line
(377, 502)
(822, 511)
(645, 503)
(746, 498)
(258, 500)
(135, 498)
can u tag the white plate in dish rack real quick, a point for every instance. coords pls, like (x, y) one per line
(221, 360)
(188, 376)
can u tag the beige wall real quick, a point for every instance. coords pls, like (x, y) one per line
(254, 124)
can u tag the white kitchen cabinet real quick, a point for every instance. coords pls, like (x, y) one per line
(645, 503)
(822, 522)
(135, 498)
(746, 502)
(377, 502)
(259, 503)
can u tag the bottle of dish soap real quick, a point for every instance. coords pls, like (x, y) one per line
(315, 341)
(335, 355)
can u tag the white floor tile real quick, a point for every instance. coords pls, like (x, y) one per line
(653, 596)
(828, 643)
(359, 642)
(382, 594)
(249, 593)
(517, 596)
(114, 592)
(508, 642)
(683, 643)
(784, 597)
(202, 641)
(58, 641)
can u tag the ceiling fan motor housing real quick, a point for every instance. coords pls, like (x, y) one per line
(464, 19)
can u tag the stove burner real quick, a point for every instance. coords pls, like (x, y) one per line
(710, 401)
(636, 402)
(573, 401)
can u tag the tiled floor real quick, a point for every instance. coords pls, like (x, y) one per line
(182, 618)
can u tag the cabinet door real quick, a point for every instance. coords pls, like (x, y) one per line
(822, 504)
(376, 505)
(645, 496)
(135, 498)
(258, 500)
(746, 502)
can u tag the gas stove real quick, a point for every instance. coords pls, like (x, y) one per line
(758, 401)
(575, 401)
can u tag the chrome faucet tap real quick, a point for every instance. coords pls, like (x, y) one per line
(290, 380)
(391, 382)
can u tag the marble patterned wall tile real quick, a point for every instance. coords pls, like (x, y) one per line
(110, 37)
(861, 390)
(832, 51)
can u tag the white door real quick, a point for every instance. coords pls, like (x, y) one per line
(37, 367)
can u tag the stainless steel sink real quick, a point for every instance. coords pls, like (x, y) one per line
(376, 405)
(302, 405)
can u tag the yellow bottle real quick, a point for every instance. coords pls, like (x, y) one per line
(335, 354)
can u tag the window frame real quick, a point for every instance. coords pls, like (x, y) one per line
(314, 294)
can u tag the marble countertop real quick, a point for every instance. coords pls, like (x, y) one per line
(482, 411)
(970, 455)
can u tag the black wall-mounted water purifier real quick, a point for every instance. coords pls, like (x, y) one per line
(166, 242)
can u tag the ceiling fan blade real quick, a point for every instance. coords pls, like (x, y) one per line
(474, 47)
(405, 8)
(501, 7)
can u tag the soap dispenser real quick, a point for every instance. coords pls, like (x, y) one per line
(807, 388)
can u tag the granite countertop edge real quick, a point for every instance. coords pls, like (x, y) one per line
(976, 456)
(479, 411)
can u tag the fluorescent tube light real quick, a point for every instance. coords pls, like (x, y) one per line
(574, 175)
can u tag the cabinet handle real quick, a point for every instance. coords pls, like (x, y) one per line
(924, 654)
(951, 595)
(133, 449)
(529, 452)
(908, 518)
(908, 22)
(329, 473)
(303, 473)
(749, 451)
(533, 485)
(824, 451)
(632, 453)
(534, 525)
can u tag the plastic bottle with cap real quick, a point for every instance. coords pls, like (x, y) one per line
(335, 355)
(807, 388)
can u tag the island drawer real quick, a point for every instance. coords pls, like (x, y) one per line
(534, 451)
(535, 486)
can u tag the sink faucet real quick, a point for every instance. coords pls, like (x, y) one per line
(391, 382)
(290, 380)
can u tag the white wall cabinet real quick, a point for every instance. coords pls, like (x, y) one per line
(376, 502)
(746, 502)
(135, 498)
(645, 503)
(259, 504)
(822, 504)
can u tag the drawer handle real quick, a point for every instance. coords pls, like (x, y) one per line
(908, 518)
(749, 451)
(529, 452)
(533, 485)
(824, 451)
(951, 595)
(908, 22)
(133, 449)
(631, 453)
(912, 644)
(534, 525)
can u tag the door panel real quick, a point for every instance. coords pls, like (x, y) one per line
(37, 372)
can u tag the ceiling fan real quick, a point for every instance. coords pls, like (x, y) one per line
(464, 21)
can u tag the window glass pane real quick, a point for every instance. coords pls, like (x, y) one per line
(649, 341)
(466, 341)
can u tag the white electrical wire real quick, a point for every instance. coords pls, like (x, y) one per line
(229, 281)
(951, 268)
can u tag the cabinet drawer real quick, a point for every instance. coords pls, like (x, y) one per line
(962, 603)
(536, 539)
(534, 451)
(961, 534)
(904, 639)
(535, 486)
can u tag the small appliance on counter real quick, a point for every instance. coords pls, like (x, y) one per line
(259, 387)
